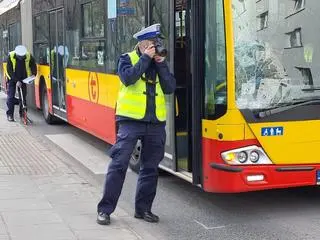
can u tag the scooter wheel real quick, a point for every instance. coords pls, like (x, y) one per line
(25, 118)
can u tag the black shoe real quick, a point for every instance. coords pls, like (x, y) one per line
(103, 218)
(10, 118)
(147, 216)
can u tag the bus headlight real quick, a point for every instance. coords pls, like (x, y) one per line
(242, 157)
(246, 155)
(254, 157)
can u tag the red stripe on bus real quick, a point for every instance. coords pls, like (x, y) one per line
(37, 96)
(93, 118)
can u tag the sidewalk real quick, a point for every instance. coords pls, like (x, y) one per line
(42, 198)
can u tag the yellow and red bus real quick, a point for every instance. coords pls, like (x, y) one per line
(246, 112)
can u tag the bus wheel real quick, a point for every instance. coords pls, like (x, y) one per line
(134, 162)
(45, 106)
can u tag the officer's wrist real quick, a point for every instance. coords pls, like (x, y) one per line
(146, 57)
(161, 64)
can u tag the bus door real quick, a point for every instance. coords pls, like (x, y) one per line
(58, 60)
(187, 70)
(176, 29)
(182, 72)
(161, 12)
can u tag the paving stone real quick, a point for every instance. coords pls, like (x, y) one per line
(106, 234)
(26, 218)
(41, 232)
(23, 204)
(22, 157)
(3, 229)
(86, 222)
(19, 193)
(65, 196)
(5, 170)
(76, 208)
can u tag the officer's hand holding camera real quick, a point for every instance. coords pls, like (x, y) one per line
(150, 51)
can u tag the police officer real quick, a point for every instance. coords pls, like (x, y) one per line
(59, 61)
(20, 65)
(141, 114)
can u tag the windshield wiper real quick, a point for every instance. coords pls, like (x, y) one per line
(287, 107)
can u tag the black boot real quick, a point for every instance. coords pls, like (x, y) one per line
(147, 216)
(10, 118)
(103, 218)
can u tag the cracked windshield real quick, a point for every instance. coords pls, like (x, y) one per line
(276, 52)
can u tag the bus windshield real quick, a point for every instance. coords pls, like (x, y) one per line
(276, 52)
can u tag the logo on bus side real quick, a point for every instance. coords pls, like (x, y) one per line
(93, 87)
(272, 131)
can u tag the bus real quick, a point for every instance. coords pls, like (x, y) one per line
(245, 114)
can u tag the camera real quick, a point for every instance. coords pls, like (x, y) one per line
(160, 49)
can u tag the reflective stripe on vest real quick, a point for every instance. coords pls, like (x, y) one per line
(132, 100)
(14, 63)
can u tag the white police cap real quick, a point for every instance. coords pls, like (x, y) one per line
(63, 50)
(20, 50)
(148, 32)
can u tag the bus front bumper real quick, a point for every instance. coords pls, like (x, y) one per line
(225, 178)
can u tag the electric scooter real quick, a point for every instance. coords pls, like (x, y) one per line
(25, 119)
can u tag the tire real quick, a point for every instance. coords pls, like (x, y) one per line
(48, 117)
(134, 162)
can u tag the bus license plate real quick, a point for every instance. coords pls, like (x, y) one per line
(318, 177)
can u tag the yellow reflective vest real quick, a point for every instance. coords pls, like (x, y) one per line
(132, 100)
(14, 64)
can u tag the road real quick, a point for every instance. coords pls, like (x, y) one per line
(186, 212)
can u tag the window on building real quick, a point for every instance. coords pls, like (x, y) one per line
(41, 27)
(180, 21)
(161, 14)
(14, 35)
(86, 38)
(41, 38)
(242, 2)
(131, 18)
(87, 20)
(93, 19)
(3, 43)
(299, 5)
(262, 21)
(306, 76)
(294, 38)
(92, 54)
(295, 6)
(104, 33)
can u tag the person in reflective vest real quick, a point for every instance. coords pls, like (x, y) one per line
(59, 61)
(140, 114)
(20, 65)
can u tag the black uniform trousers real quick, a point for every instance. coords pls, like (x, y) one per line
(12, 100)
(153, 137)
